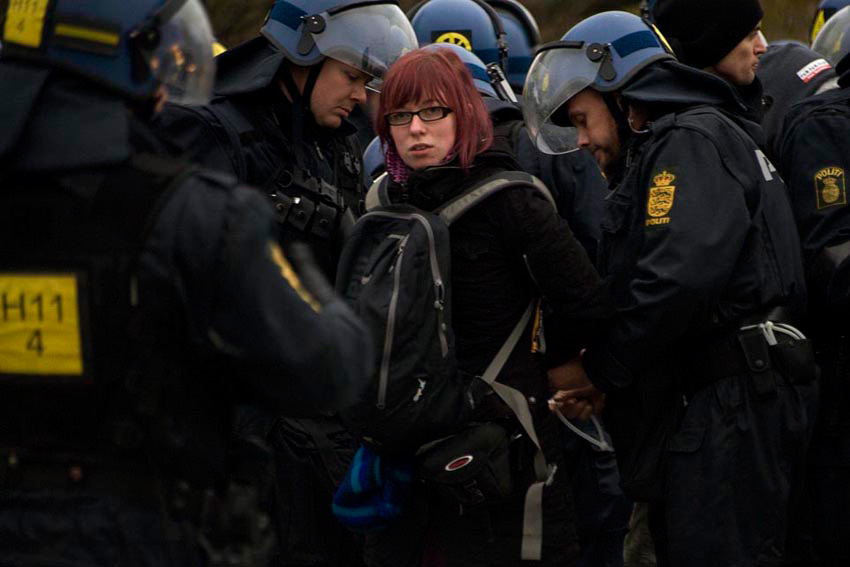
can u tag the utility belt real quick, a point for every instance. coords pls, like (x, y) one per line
(130, 481)
(310, 206)
(767, 351)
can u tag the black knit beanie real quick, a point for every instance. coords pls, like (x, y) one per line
(702, 32)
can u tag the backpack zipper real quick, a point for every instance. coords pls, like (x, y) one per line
(439, 302)
(388, 337)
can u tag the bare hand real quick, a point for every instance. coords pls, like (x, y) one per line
(568, 376)
(578, 403)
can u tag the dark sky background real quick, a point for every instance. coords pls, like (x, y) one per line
(237, 20)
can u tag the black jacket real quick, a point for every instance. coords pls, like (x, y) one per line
(212, 294)
(507, 250)
(789, 72)
(250, 130)
(698, 234)
(574, 179)
(815, 157)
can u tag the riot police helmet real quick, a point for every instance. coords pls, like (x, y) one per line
(131, 48)
(833, 39)
(603, 52)
(373, 161)
(368, 35)
(471, 24)
(826, 9)
(523, 36)
(476, 67)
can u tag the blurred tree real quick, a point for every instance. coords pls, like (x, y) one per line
(235, 21)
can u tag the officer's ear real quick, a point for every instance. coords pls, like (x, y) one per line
(637, 116)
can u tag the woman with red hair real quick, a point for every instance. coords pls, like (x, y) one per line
(506, 251)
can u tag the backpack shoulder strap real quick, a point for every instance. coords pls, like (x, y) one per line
(377, 194)
(458, 206)
(533, 515)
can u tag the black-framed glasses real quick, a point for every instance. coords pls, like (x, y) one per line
(429, 114)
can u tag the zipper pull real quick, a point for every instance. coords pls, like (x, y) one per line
(441, 295)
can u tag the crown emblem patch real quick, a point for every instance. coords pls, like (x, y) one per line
(660, 199)
(829, 187)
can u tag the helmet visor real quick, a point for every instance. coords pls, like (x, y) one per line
(183, 59)
(369, 38)
(830, 41)
(556, 75)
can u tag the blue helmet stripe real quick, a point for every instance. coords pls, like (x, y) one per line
(287, 14)
(635, 41)
(478, 73)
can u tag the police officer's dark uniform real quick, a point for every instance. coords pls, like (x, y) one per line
(141, 301)
(692, 264)
(708, 420)
(313, 175)
(252, 131)
(789, 72)
(816, 155)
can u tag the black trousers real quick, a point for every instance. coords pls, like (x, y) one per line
(75, 528)
(311, 459)
(829, 461)
(734, 464)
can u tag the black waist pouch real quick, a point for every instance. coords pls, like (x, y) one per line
(795, 361)
(470, 467)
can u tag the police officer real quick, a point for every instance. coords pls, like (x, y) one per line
(522, 35)
(707, 389)
(830, 40)
(789, 72)
(815, 156)
(703, 35)
(141, 299)
(825, 10)
(279, 117)
(279, 122)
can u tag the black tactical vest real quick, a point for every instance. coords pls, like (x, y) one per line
(86, 368)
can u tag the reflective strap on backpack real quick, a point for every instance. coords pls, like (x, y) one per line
(532, 529)
(376, 196)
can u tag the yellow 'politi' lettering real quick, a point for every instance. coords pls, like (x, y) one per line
(660, 199)
(829, 187)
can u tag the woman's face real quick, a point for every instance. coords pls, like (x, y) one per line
(424, 143)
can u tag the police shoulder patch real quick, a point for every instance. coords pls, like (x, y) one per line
(830, 190)
(291, 277)
(660, 199)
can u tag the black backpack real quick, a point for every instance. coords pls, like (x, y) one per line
(395, 273)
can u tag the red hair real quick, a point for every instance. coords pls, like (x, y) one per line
(440, 75)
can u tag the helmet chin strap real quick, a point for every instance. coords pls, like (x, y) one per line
(624, 131)
(300, 100)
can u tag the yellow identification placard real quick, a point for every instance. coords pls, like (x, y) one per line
(25, 22)
(39, 324)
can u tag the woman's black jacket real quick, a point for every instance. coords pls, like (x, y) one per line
(507, 250)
